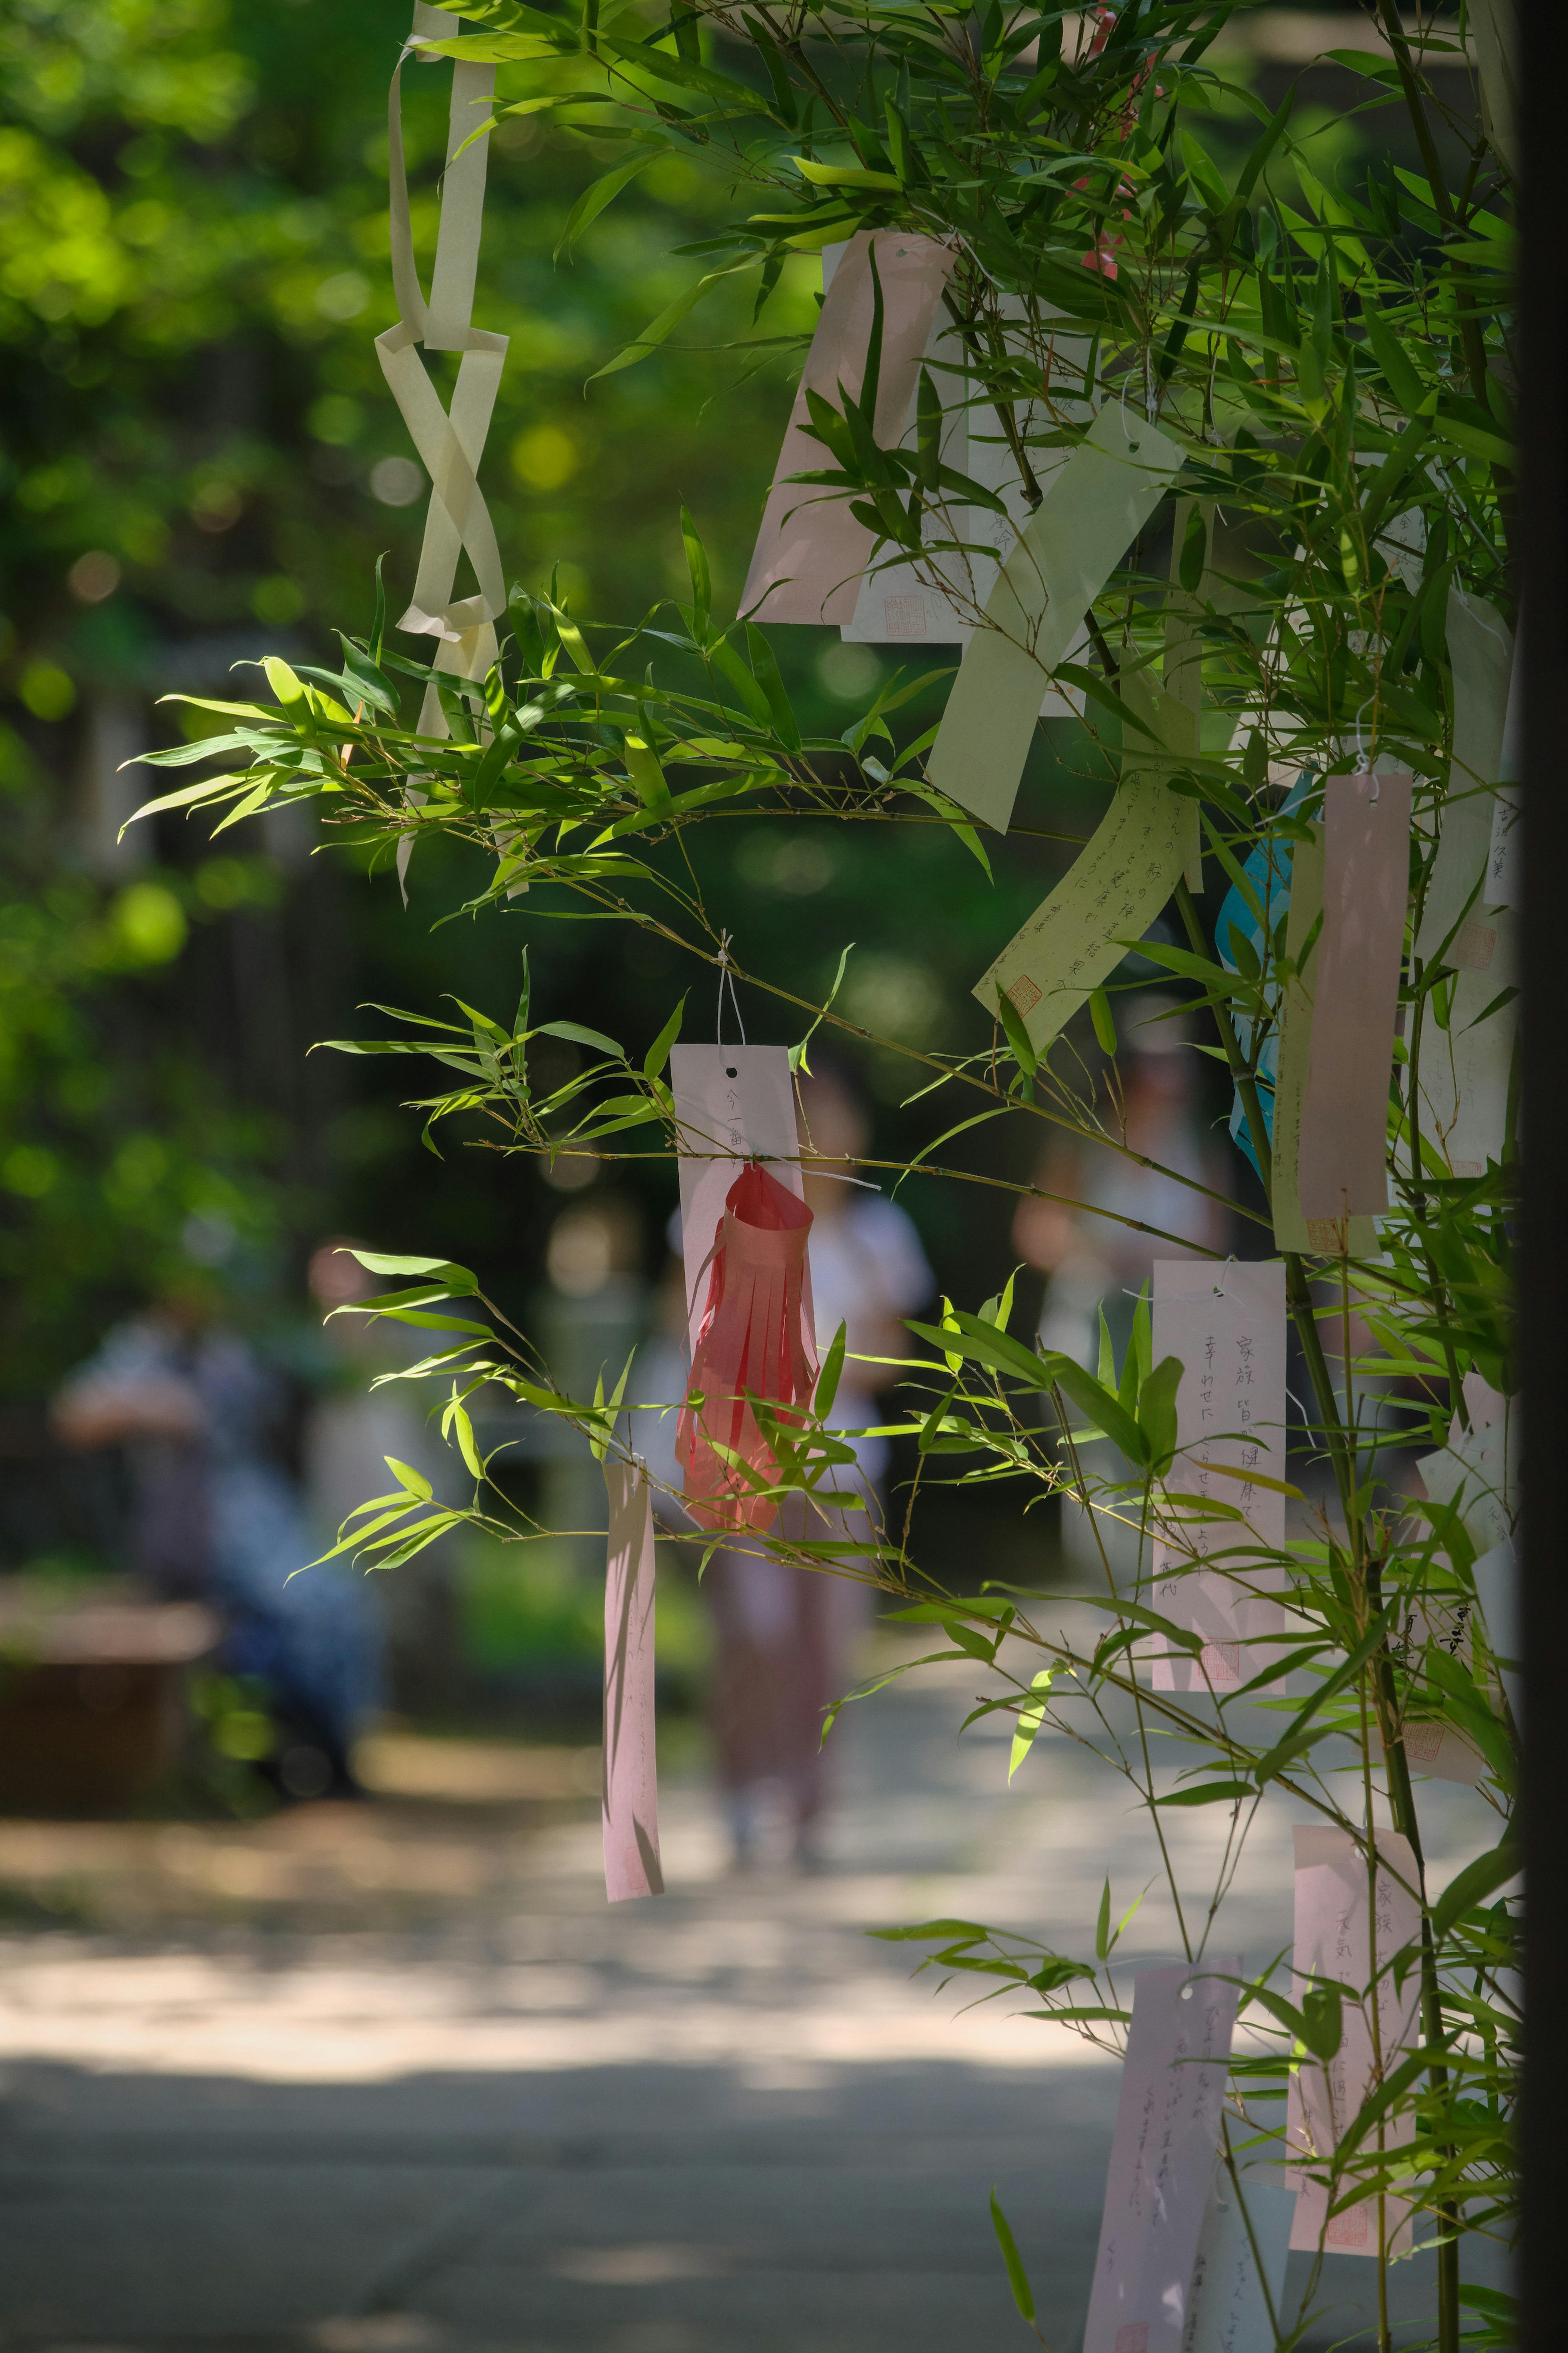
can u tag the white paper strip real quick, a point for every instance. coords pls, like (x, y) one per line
(1162, 2158)
(1496, 1590)
(1505, 875)
(732, 1104)
(1228, 2311)
(895, 603)
(1480, 648)
(1226, 1324)
(630, 1796)
(1480, 1467)
(1340, 1937)
(1431, 1746)
(1075, 539)
(1465, 1070)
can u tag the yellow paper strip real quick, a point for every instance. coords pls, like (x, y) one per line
(1076, 537)
(1117, 885)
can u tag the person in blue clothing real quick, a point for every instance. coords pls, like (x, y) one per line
(215, 1514)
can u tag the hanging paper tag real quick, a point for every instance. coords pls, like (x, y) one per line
(1342, 1169)
(1340, 1939)
(732, 1104)
(811, 552)
(942, 598)
(1229, 2311)
(1497, 1590)
(1093, 510)
(631, 1772)
(1480, 648)
(1227, 1325)
(1478, 1468)
(1292, 1231)
(1465, 1070)
(1112, 893)
(1162, 2158)
(1503, 885)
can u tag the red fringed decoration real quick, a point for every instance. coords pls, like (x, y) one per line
(753, 1337)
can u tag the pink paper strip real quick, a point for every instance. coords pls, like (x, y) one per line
(1162, 2158)
(1335, 1939)
(811, 552)
(631, 1773)
(1226, 1324)
(1356, 994)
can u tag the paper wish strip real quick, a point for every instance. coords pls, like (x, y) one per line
(1073, 542)
(1481, 649)
(1162, 2158)
(1227, 1325)
(811, 552)
(1505, 873)
(1228, 2310)
(1293, 1231)
(942, 597)
(1113, 891)
(894, 604)
(630, 1800)
(1465, 1070)
(1342, 1162)
(1341, 1937)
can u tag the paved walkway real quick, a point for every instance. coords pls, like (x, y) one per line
(361, 2079)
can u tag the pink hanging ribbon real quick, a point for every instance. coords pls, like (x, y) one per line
(754, 1337)
(631, 1798)
(811, 552)
(1343, 1164)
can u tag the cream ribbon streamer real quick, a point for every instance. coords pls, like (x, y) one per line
(450, 443)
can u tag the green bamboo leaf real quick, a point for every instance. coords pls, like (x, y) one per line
(1030, 1719)
(603, 192)
(1475, 1883)
(1017, 2277)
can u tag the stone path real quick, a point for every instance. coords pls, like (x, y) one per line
(369, 2078)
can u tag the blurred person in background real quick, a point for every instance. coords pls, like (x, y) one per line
(784, 1633)
(1095, 1265)
(216, 1515)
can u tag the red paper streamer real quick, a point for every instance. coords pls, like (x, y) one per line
(752, 1338)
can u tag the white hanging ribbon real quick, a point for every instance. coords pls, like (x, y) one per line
(450, 443)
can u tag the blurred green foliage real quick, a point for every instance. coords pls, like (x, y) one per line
(200, 461)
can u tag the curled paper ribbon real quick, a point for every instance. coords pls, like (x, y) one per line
(450, 443)
(631, 1775)
(753, 1338)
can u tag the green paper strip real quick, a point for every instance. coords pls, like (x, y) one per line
(1117, 885)
(1073, 542)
